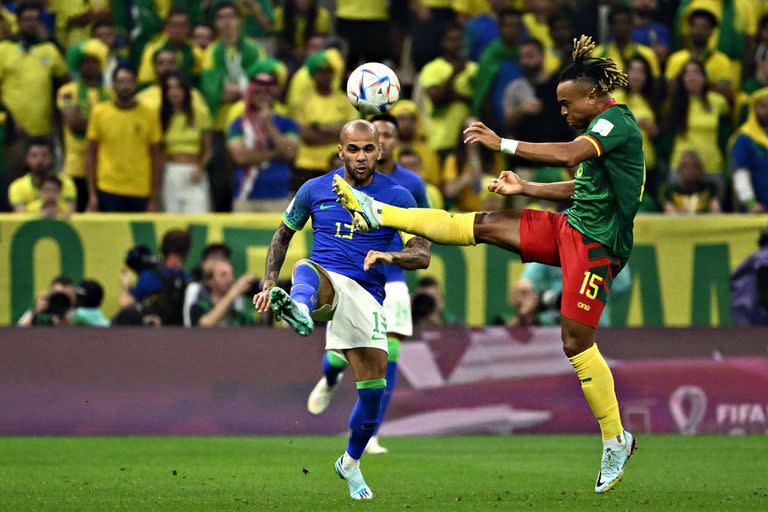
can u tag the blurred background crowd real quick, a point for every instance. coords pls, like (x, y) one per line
(185, 106)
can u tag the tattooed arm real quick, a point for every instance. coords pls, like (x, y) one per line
(275, 259)
(415, 255)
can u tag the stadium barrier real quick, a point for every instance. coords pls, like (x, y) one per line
(74, 381)
(680, 265)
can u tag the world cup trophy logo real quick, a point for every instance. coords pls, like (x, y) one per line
(688, 404)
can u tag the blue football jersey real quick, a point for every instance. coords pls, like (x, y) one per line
(414, 184)
(337, 246)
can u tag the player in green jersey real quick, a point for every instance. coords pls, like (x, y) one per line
(591, 241)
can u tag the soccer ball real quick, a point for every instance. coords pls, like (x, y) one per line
(373, 88)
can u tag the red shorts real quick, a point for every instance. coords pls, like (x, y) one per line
(588, 266)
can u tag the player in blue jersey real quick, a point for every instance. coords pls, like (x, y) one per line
(397, 305)
(344, 281)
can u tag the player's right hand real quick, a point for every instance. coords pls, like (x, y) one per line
(478, 132)
(261, 300)
(507, 184)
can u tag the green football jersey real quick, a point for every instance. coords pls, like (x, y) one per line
(609, 187)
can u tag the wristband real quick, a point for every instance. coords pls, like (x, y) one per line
(509, 146)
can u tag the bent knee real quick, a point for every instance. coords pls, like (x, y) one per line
(574, 343)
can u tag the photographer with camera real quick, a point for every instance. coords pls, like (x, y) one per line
(159, 291)
(221, 302)
(52, 307)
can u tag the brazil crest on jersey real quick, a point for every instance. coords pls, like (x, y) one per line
(609, 187)
(337, 246)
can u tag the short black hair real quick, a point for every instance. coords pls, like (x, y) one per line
(63, 280)
(408, 152)
(565, 14)
(176, 11)
(176, 241)
(216, 247)
(123, 67)
(533, 42)
(703, 13)
(39, 140)
(426, 282)
(226, 4)
(509, 11)
(449, 28)
(388, 118)
(28, 5)
(617, 11)
(102, 22)
(160, 51)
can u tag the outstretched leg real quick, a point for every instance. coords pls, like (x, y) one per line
(497, 228)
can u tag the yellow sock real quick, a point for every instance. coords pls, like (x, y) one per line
(597, 384)
(436, 225)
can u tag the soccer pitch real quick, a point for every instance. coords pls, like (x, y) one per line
(442, 473)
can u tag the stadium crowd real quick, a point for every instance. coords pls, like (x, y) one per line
(189, 106)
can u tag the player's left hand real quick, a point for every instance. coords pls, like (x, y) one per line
(478, 132)
(377, 258)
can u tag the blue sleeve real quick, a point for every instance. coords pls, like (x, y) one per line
(146, 285)
(287, 125)
(403, 199)
(298, 212)
(235, 131)
(420, 194)
(741, 153)
(663, 33)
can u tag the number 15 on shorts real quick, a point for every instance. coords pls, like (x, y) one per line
(590, 286)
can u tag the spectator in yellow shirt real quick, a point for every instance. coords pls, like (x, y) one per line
(176, 39)
(25, 192)
(413, 137)
(202, 36)
(447, 81)
(124, 153)
(75, 101)
(51, 204)
(188, 147)
(28, 69)
(164, 61)
(717, 65)
(698, 119)
(320, 117)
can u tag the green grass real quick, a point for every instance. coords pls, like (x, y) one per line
(451, 473)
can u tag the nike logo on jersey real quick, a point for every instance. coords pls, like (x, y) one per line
(326, 206)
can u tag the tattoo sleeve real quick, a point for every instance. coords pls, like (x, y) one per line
(417, 254)
(277, 250)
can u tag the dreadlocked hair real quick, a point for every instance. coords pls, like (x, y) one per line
(603, 72)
